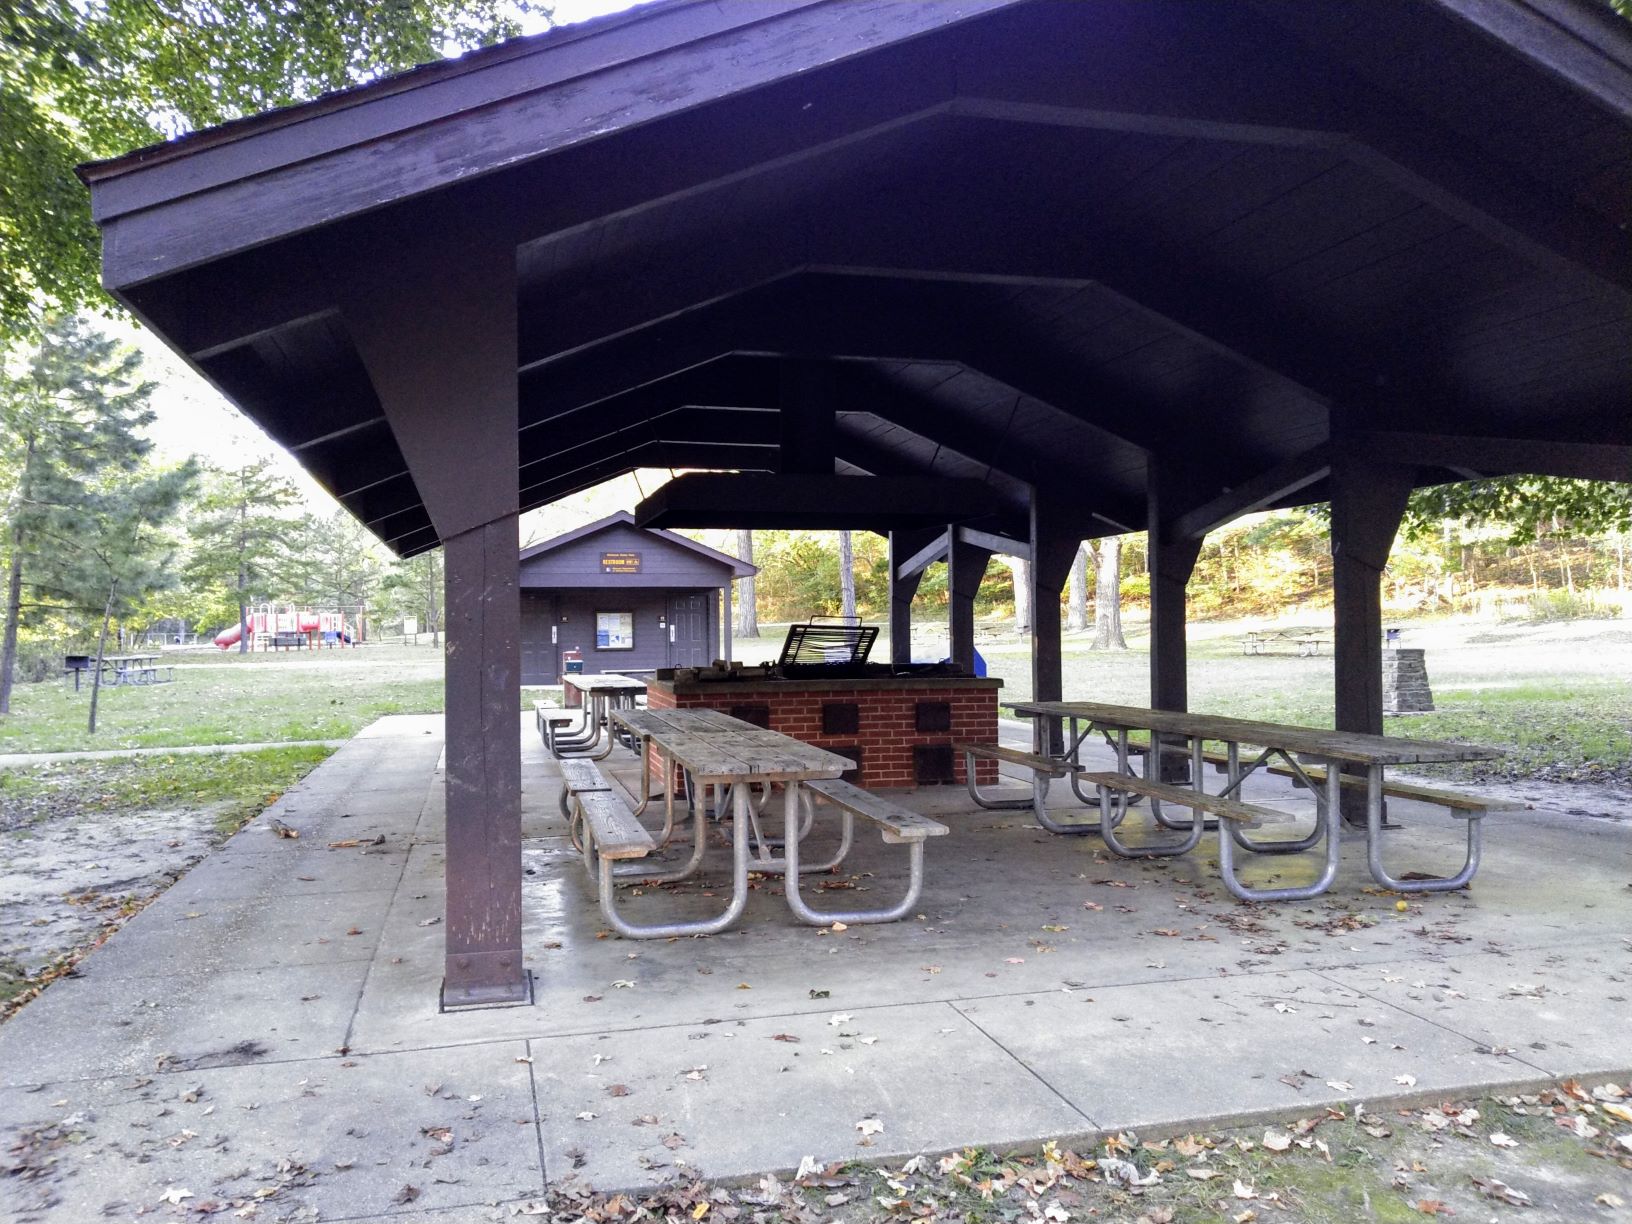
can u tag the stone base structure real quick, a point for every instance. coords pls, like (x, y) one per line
(1405, 682)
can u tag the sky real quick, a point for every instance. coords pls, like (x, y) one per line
(193, 418)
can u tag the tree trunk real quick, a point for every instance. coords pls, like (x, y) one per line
(101, 649)
(847, 575)
(14, 611)
(1077, 616)
(1022, 594)
(747, 607)
(14, 587)
(1108, 597)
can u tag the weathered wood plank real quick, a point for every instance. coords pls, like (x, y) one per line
(613, 827)
(899, 824)
(1248, 815)
(1346, 746)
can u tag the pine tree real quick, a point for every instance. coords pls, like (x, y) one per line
(71, 409)
(111, 551)
(241, 538)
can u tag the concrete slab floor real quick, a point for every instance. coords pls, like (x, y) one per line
(270, 1023)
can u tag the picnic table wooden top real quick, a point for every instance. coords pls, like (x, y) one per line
(717, 747)
(608, 682)
(1348, 746)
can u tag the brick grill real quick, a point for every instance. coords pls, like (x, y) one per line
(887, 718)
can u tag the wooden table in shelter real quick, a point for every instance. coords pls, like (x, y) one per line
(716, 749)
(1314, 757)
(600, 694)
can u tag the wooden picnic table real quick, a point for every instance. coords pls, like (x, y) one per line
(1294, 745)
(719, 749)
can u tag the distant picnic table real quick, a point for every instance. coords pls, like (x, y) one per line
(120, 669)
(1272, 641)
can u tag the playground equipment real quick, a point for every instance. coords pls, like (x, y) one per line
(285, 627)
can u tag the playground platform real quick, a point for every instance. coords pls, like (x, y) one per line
(268, 1030)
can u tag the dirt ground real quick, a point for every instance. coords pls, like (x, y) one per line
(62, 880)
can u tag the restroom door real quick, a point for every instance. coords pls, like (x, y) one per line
(688, 631)
(537, 653)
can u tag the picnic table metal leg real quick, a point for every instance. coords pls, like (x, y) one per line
(1275, 847)
(1330, 817)
(1196, 825)
(806, 822)
(1374, 844)
(803, 912)
(710, 926)
(640, 873)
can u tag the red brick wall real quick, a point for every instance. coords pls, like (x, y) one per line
(887, 734)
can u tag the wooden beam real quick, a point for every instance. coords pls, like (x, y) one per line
(1254, 493)
(1502, 456)
(924, 557)
(992, 542)
(702, 499)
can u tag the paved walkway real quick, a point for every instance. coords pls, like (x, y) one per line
(10, 760)
(270, 1027)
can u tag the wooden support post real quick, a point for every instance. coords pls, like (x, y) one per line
(904, 545)
(1171, 556)
(444, 368)
(966, 566)
(1368, 502)
(1056, 534)
(725, 621)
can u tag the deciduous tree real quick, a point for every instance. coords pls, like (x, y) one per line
(85, 79)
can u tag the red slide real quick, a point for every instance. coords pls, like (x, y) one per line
(229, 637)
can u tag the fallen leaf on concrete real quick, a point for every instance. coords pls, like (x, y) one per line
(1432, 1207)
(1501, 1140)
(838, 926)
(623, 984)
(1014, 960)
(407, 1194)
(870, 1126)
(1340, 1085)
(839, 1018)
(175, 1194)
(1093, 905)
(788, 1037)
(1409, 1081)
(1608, 1199)
(429, 921)
(587, 1115)
(674, 1142)
(283, 830)
(617, 1090)
(1277, 1141)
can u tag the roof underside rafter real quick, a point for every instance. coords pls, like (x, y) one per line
(1038, 243)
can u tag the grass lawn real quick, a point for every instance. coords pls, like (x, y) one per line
(232, 786)
(227, 698)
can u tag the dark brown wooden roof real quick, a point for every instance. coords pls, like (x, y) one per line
(1037, 242)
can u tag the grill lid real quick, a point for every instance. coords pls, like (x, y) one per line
(827, 641)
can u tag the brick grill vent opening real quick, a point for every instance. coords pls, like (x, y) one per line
(853, 751)
(933, 716)
(932, 764)
(841, 718)
(759, 715)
